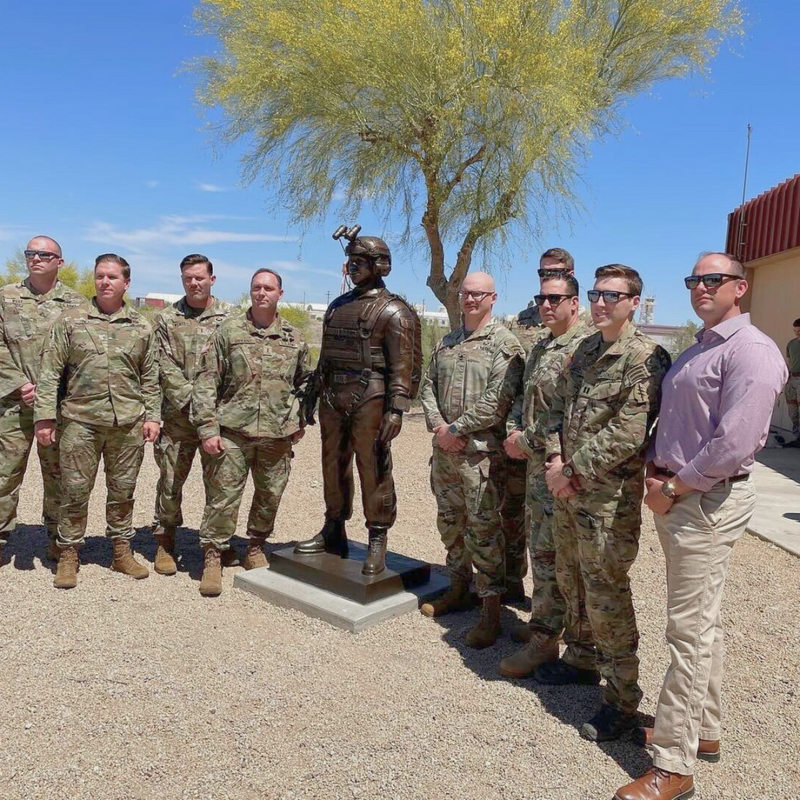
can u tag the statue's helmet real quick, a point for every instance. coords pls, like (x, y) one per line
(373, 248)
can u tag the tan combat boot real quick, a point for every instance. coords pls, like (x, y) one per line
(254, 557)
(211, 581)
(124, 561)
(67, 569)
(53, 551)
(540, 650)
(485, 633)
(456, 598)
(164, 563)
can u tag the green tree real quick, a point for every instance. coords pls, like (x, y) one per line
(297, 317)
(684, 338)
(470, 117)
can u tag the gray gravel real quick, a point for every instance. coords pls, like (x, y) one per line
(126, 689)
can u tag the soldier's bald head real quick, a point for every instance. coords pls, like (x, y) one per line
(45, 243)
(479, 281)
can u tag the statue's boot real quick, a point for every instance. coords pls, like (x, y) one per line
(331, 539)
(375, 562)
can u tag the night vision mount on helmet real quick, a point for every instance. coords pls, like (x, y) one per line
(371, 247)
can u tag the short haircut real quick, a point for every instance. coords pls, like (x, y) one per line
(271, 272)
(197, 258)
(796, 323)
(736, 266)
(572, 282)
(560, 255)
(57, 246)
(628, 274)
(113, 258)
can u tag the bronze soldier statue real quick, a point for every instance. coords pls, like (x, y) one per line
(369, 370)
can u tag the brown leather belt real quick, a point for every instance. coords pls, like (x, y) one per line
(733, 479)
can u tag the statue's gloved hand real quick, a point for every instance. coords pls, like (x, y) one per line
(390, 427)
(309, 395)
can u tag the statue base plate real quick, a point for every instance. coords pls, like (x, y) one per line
(285, 592)
(343, 577)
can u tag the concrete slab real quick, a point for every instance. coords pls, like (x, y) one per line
(287, 592)
(777, 515)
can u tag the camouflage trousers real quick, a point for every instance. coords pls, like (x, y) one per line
(597, 540)
(269, 461)
(547, 603)
(16, 440)
(468, 490)
(792, 394)
(513, 515)
(80, 448)
(174, 452)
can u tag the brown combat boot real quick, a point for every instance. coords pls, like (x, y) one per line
(456, 598)
(67, 570)
(53, 551)
(540, 650)
(124, 561)
(521, 632)
(211, 582)
(658, 784)
(375, 562)
(164, 563)
(485, 633)
(254, 557)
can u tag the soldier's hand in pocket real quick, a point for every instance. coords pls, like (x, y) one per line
(150, 431)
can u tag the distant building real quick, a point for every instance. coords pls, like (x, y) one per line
(157, 300)
(438, 317)
(661, 334)
(314, 310)
(647, 311)
(764, 234)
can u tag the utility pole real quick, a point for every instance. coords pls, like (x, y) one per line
(740, 236)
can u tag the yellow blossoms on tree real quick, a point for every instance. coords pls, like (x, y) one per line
(469, 117)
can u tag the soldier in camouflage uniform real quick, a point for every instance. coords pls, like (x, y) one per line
(247, 413)
(27, 310)
(181, 331)
(105, 356)
(558, 302)
(529, 329)
(467, 392)
(601, 417)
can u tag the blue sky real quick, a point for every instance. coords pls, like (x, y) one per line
(103, 147)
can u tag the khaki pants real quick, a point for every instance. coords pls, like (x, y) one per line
(792, 394)
(697, 537)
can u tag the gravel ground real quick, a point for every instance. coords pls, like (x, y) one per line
(126, 689)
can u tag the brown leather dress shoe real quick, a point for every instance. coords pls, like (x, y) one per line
(658, 784)
(708, 749)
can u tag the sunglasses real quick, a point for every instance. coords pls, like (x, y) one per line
(553, 299)
(609, 297)
(45, 255)
(476, 295)
(712, 281)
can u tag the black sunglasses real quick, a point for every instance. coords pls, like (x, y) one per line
(711, 281)
(553, 299)
(45, 255)
(609, 296)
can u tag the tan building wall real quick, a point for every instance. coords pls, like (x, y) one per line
(774, 303)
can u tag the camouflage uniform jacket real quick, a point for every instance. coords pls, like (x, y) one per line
(181, 334)
(528, 327)
(110, 366)
(25, 318)
(605, 405)
(532, 405)
(470, 383)
(249, 378)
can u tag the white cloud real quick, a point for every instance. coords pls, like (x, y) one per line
(213, 187)
(151, 184)
(11, 232)
(299, 266)
(173, 231)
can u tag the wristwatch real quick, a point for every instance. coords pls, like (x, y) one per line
(452, 430)
(668, 490)
(568, 470)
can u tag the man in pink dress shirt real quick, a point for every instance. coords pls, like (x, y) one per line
(717, 403)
